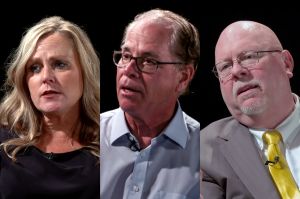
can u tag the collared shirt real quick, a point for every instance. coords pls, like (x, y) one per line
(168, 168)
(290, 132)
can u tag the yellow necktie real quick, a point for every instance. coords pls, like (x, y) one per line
(278, 166)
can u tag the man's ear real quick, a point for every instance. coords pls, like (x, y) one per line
(289, 62)
(186, 75)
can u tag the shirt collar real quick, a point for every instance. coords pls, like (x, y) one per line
(119, 126)
(288, 128)
(176, 129)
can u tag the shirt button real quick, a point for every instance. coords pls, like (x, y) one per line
(136, 188)
(131, 138)
(133, 148)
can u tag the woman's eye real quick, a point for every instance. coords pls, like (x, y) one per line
(35, 68)
(60, 65)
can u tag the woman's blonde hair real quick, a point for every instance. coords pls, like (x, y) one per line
(17, 112)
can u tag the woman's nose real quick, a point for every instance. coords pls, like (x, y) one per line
(48, 74)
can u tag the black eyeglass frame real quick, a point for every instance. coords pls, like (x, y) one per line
(136, 59)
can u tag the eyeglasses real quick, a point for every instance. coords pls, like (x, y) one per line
(246, 60)
(144, 64)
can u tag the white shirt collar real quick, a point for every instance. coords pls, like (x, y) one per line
(288, 128)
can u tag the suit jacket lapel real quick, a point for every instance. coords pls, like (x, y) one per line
(242, 154)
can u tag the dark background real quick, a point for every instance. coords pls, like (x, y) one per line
(105, 24)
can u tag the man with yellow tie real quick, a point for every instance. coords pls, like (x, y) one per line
(255, 153)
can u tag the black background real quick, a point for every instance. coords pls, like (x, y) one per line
(105, 24)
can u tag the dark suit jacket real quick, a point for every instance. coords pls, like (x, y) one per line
(231, 163)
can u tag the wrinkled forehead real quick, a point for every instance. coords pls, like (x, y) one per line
(147, 35)
(241, 42)
(142, 26)
(244, 37)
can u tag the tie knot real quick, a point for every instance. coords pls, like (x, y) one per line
(272, 137)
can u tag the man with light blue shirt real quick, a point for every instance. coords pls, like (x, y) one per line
(245, 155)
(149, 148)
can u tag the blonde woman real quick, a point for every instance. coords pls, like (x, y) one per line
(50, 115)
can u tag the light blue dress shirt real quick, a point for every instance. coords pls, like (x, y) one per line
(168, 168)
(290, 132)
